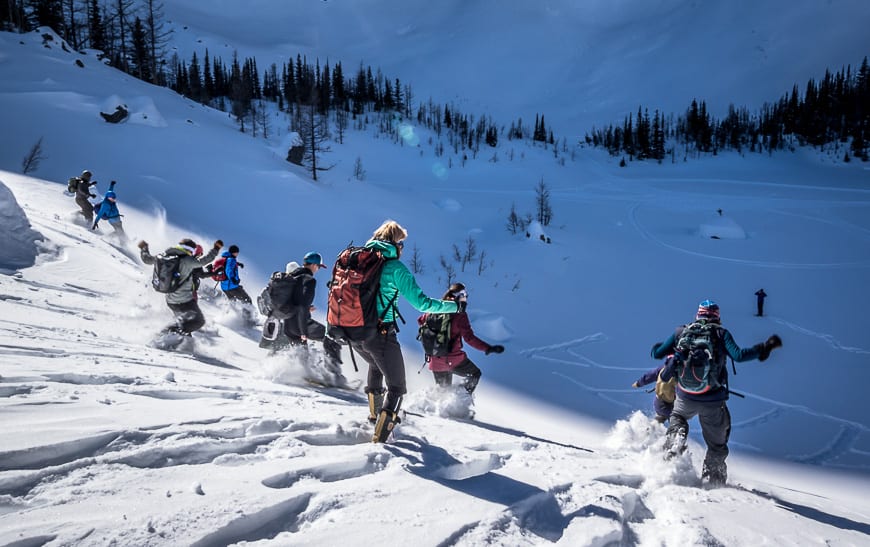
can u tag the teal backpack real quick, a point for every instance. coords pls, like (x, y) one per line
(700, 345)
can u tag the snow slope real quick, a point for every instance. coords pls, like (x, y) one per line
(109, 441)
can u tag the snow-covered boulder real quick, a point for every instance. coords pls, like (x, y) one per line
(19, 239)
(722, 227)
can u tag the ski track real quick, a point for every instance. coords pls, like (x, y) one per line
(649, 236)
(845, 435)
(828, 338)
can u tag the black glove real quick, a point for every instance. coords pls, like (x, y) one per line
(209, 267)
(218, 244)
(460, 305)
(93, 195)
(494, 349)
(767, 346)
(237, 281)
(773, 342)
(94, 227)
(240, 265)
(655, 348)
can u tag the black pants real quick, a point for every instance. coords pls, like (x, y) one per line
(87, 208)
(386, 364)
(188, 317)
(760, 307)
(238, 294)
(466, 369)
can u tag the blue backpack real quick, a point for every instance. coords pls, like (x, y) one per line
(702, 363)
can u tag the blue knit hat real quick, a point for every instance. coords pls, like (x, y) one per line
(708, 310)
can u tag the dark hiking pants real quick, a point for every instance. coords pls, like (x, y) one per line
(238, 294)
(87, 209)
(386, 365)
(466, 369)
(188, 317)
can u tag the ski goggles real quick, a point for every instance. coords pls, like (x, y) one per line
(461, 294)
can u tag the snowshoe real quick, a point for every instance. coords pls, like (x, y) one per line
(172, 340)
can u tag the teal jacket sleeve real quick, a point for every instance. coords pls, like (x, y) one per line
(406, 284)
(736, 352)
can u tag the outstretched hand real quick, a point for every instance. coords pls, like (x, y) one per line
(635, 385)
(655, 348)
(494, 349)
(767, 346)
(142, 245)
(218, 244)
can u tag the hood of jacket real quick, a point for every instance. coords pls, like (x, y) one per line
(386, 248)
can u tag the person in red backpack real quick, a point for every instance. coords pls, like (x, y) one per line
(382, 352)
(456, 361)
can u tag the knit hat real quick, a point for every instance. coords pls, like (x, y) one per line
(292, 266)
(188, 245)
(110, 194)
(233, 249)
(313, 258)
(708, 310)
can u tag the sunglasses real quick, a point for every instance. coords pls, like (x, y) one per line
(461, 294)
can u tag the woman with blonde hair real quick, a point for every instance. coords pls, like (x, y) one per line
(383, 352)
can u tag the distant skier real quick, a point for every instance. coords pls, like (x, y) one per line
(665, 391)
(83, 192)
(109, 210)
(700, 351)
(455, 360)
(183, 299)
(760, 301)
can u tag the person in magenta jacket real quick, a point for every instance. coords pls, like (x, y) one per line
(456, 362)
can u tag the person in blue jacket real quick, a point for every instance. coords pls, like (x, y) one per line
(232, 285)
(710, 406)
(109, 210)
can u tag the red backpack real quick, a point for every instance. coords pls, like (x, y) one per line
(352, 313)
(219, 269)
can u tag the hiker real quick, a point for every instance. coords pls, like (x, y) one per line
(663, 401)
(704, 345)
(273, 337)
(300, 326)
(760, 301)
(232, 285)
(109, 210)
(183, 300)
(382, 352)
(83, 192)
(456, 361)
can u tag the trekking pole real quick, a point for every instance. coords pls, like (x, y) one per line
(742, 396)
(352, 358)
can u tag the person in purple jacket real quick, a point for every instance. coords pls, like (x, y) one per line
(665, 394)
(456, 361)
(709, 403)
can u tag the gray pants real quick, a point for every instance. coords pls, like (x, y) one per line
(715, 427)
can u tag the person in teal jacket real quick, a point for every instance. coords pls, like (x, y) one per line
(383, 352)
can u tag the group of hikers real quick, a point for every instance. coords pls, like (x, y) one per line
(692, 380)
(107, 209)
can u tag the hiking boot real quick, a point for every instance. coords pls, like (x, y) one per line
(376, 402)
(387, 420)
(714, 474)
(332, 349)
(675, 444)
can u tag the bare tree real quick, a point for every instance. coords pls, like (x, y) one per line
(542, 203)
(470, 253)
(158, 38)
(358, 172)
(416, 261)
(513, 220)
(481, 263)
(314, 131)
(449, 270)
(341, 122)
(31, 160)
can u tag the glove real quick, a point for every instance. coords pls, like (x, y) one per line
(240, 265)
(655, 348)
(218, 244)
(142, 245)
(237, 281)
(494, 349)
(93, 195)
(460, 305)
(635, 385)
(94, 227)
(767, 346)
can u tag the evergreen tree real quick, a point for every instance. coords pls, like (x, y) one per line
(157, 38)
(48, 13)
(96, 29)
(141, 58)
